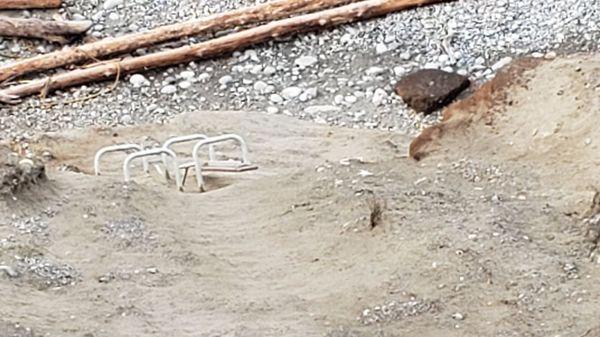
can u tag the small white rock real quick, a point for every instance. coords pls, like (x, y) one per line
(138, 80)
(269, 70)
(306, 61)
(291, 92)
(225, 80)
(550, 55)
(260, 86)
(350, 99)
(379, 97)
(276, 99)
(380, 48)
(188, 74)
(185, 84)
(399, 70)
(315, 109)
(503, 62)
(255, 70)
(311, 93)
(109, 4)
(374, 71)
(405, 56)
(365, 173)
(204, 77)
(168, 89)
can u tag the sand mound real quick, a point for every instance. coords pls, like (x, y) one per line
(337, 234)
(540, 113)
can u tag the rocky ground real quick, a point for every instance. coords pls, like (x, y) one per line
(342, 76)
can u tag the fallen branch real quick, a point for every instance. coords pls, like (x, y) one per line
(228, 43)
(269, 11)
(25, 4)
(55, 31)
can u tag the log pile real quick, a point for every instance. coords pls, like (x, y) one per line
(277, 16)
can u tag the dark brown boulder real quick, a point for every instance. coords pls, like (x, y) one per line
(428, 90)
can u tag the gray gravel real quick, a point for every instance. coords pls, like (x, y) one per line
(128, 232)
(343, 76)
(46, 273)
(397, 310)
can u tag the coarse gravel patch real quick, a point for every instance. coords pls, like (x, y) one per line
(342, 76)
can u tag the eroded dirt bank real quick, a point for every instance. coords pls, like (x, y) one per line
(490, 234)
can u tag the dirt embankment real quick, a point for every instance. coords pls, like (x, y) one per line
(493, 233)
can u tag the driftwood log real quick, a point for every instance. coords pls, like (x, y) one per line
(55, 31)
(269, 11)
(332, 17)
(24, 4)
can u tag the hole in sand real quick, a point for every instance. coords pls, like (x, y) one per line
(212, 182)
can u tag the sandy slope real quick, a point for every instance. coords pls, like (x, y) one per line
(482, 238)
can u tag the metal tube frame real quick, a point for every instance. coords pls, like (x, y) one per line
(184, 139)
(116, 148)
(153, 152)
(214, 140)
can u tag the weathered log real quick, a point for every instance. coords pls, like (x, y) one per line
(332, 17)
(25, 4)
(55, 31)
(269, 11)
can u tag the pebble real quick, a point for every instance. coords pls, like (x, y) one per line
(188, 74)
(225, 80)
(379, 97)
(185, 84)
(503, 62)
(350, 99)
(381, 48)
(550, 55)
(305, 61)
(399, 70)
(138, 80)
(374, 71)
(204, 77)
(110, 4)
(269, 70)
(168, 89)
(260, 86)
(291, 92)
(311, 93)
(272, 110)
(315, 109)
(276, 99)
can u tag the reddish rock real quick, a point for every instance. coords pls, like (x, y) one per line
(428, 90)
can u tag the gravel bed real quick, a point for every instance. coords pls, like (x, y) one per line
(394, 311)
(343, 76)
(128, 232)
(46, 273)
